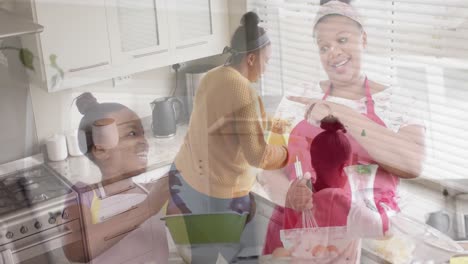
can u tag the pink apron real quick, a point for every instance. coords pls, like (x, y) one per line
(385, 184)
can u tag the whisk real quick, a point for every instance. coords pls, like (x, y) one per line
(308, 219)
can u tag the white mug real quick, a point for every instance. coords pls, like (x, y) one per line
(56, 148)
(105, 133)
(76, 142)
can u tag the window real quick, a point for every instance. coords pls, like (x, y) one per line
(419, 45)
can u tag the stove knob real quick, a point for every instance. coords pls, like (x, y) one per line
(9, 235)
(65, 215)
(38, 225)
(23, 230)
(52, 220)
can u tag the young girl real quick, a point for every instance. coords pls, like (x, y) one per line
(341, 197)
(115, 231)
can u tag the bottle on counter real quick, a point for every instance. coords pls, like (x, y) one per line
(76, 142)
(56, 148)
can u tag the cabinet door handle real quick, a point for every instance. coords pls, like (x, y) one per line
(192, 45)
(114, 215)
(149, 54)
(107, 238)
(130, 187)
(89, 67)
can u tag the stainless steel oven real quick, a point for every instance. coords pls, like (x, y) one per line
(35, 223)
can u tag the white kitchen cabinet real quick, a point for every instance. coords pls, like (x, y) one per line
(199, 28)
(138, 33)
(97, 40)
(76, 33)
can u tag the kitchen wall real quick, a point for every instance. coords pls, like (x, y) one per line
(236, 9)
(57, 113)
(419, 197)
(18, 133)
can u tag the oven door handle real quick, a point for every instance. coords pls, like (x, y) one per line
(6, 257)
(65, 233)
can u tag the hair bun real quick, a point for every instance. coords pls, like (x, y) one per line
(332, 124)
(250, 19)
(322, 2)
(85, 101)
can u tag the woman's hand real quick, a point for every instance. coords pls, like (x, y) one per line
(401, 153)
(302, 100)
(299, 196)
(158, 196)
(316, 109)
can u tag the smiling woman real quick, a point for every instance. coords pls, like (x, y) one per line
(116, 214)
(128, 157)
(342, 39)
(379, 131)
(341, 45)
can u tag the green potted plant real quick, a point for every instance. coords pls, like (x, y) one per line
(27, 59)
(25, 56)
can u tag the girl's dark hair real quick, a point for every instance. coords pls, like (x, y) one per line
(330, 149)
(92, 111)
(248, 31)
(322, 2)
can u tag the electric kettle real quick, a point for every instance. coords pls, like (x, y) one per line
(165, 116)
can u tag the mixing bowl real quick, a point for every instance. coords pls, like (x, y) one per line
(202, 238)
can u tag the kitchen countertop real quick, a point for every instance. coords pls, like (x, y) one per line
(162, 152)
(21, 164)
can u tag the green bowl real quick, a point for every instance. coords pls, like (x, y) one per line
(209, 253)
(206, 228)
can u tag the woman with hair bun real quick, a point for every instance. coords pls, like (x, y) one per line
(119, 162)
(381, 127)
(213, 170)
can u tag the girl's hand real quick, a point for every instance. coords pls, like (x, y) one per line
(299, 196)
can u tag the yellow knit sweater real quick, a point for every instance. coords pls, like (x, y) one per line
(225, 138)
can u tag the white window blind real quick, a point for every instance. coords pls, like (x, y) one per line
(268, 11)
(295, 57)
(419, 45)
(430, 41)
